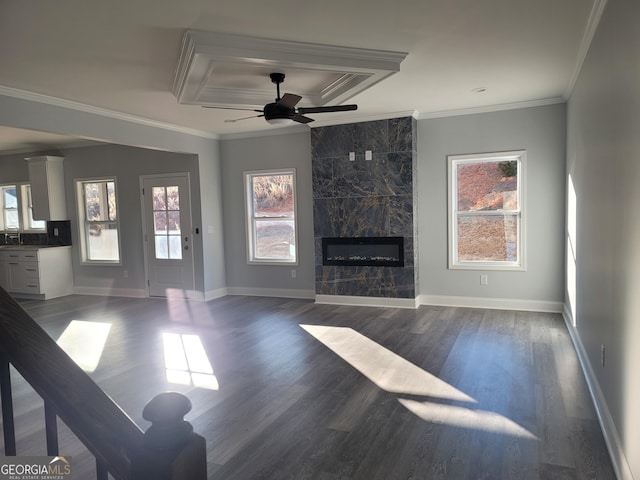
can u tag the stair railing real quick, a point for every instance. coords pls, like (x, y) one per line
(169, 450)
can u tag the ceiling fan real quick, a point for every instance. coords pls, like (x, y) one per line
(283, 110)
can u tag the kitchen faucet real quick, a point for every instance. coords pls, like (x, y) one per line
(16, 236)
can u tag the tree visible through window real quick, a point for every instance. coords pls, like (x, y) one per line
(98, 212)
(271, 216)
(166, 222)
(486, 211)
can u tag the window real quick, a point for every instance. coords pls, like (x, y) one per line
(97, 212)
(17, 211)
(166, 222)
(27, 211)
(485, 211)
(10, 217)
(271, 220)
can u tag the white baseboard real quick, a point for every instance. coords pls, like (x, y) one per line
(271, 292)
(367, 301)
(217, 293)
(111, 292)
(609, 430)
(492, 303)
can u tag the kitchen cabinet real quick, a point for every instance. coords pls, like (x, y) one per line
(38, 272)
(46, 175)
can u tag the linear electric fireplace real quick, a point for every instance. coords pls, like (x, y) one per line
(363, 251)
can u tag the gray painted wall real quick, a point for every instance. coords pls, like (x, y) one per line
(603, 147)
(541, 132)
(603, 161)
(126, 164)
(206, 191)
(263, 153)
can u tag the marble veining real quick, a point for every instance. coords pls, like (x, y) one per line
(365, 198)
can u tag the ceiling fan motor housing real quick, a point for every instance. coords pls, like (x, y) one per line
(276, 110)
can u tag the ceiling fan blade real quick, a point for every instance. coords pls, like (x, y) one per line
(289, 100)
(232, 108)
(301, 119)
(233, 120)
(334, 108)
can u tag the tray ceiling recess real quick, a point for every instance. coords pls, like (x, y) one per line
(227, 70)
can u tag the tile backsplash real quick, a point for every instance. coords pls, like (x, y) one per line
(58, 233)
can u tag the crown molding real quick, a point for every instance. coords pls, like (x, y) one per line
(103, 112)
(267, 132)
(490, 108)
(51, 148)
(589, 32)
(343, 120)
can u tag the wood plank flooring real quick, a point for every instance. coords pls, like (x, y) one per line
(324, 392)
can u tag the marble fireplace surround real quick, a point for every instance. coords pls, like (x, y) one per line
(357, 197)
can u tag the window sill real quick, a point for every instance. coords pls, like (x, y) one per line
(292, 263)
(489, 266)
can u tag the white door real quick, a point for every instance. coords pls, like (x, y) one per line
(166, 215)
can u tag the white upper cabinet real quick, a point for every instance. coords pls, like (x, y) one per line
(46, 175)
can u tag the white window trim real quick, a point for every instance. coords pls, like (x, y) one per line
(453, 262)
(250, 232)
(22, 210)
(2, 219)
(80, 208)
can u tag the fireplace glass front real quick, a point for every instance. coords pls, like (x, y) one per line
(363, 251)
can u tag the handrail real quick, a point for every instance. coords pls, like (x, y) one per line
(104, 428)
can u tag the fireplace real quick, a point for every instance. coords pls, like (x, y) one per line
(363, 251)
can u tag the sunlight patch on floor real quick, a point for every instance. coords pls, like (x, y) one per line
(387, 370)
(394, 374)
(186, 362)
(457, 416)
(84, 342)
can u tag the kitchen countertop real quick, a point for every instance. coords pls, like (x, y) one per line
(30, 247)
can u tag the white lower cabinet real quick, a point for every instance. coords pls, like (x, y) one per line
(37, 272)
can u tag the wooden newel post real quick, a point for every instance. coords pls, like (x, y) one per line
(171, 450)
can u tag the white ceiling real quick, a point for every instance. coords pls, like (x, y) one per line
(122, 55)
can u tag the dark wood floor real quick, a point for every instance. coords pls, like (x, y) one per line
(331, 392)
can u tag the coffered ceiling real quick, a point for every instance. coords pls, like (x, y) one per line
(452, 56)
(220, 69)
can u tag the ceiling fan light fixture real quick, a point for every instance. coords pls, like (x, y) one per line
(280, 121)
(283, 110)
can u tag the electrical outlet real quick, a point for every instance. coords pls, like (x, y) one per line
(484, 279)
(602, 357)
(293, 273)
(125, 273)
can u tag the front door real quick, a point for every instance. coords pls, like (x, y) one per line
(166, 215)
